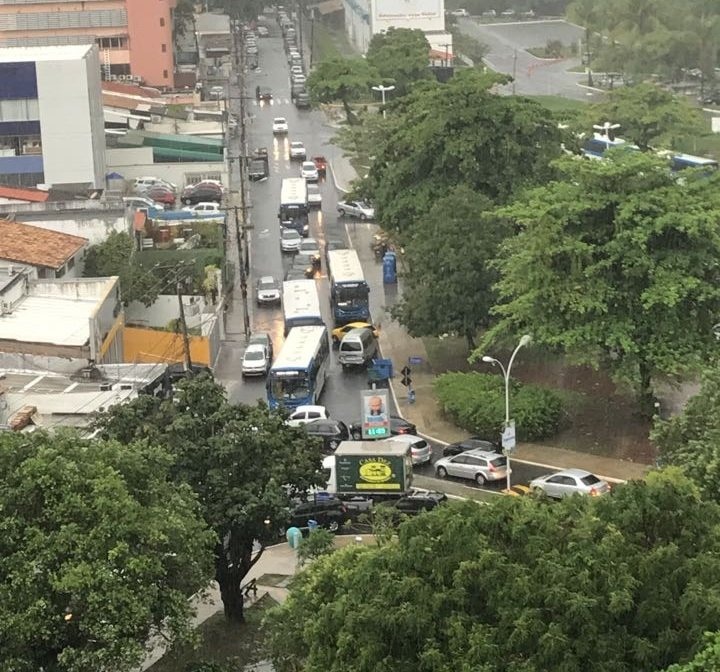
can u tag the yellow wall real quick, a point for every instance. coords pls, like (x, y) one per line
(151, 346)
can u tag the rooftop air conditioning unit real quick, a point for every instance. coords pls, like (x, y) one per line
(137, 79)
(113, 78)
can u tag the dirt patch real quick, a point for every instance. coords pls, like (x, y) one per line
(276, 580)
(601, 419)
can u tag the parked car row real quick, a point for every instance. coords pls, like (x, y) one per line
(154, 191)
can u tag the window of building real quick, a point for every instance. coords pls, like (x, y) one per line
(24, 109)
(60, 272)
(165, 74)
(112, 42)
(163, 48)
(162, 21)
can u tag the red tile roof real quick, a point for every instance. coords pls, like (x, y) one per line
(24, 194)
(36, 246)
(131, 90)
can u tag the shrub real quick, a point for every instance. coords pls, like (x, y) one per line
(476, 402)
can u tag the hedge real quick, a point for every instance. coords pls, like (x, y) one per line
(476, 402)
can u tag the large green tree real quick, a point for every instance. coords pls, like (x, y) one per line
(623, 582)
(243, 462)
(98, 548)
(617, 265)
(342, 79)
(648, 115)
(400, 56)
(458, 133)
(448, 281)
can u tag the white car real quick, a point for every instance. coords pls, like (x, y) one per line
(298, 79)
(420, 449)
(267, 291)
(297, 150)
(142, 184)
(217, 92)
(296, 70)
(138, 202)
(460, 12)
(304, 414)
(210, 206)
(570, 482)
(255, 361)
(314, 195)
(280, 125)
(309, 171)
(289, 240)
(358, 209)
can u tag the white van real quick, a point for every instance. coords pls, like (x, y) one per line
(357, 347)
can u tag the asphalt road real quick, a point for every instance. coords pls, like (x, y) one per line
(342, 391)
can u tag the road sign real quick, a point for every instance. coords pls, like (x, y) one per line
(375, 421)
(406, 380)
(405, 371)
(508, 437)
(415, 361)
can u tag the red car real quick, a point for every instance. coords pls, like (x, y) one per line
(321, 165)
(161, 195)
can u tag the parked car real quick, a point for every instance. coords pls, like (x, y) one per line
(338, 333)
(255, 361)
(302, 100)
(570, 482)
(142, 184)
(263, 338)
(472, 443)
(314, 196)
(481, 466)
(210, 206)
(419, 447)
(267, 291)
(297, 150)
(296, 70)
(331, 431)
(263, 93)
(312, 247)
(460, 12)
(298, 79)
(203, 192)
(263, 31)
(309, 171)
(138, 202)
(414, 503)
(328, 512)
(162, 195)
(304, 414)
(279, 126)
(358, 209)
(289, 240)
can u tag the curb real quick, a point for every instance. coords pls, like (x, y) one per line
(335, 182)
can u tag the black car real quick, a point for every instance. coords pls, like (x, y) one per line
(329, 513)
(471, 443)
(263, 93)
(331, 431)
(201, 193)
(414, 503)
(398, 426)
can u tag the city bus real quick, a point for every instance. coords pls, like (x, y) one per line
(298, 375)
(349, 293)
(683, 161)
(301, 304)
(294, 207)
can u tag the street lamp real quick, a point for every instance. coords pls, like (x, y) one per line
(525, 340)
(383, 89)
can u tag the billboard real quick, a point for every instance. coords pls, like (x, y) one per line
(423, 14)
(375, 415)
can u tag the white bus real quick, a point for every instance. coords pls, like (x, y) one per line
(301, 304)
(294, 207)
(298, 375)
(349, 293)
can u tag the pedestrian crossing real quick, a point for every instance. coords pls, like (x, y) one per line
(275, 102)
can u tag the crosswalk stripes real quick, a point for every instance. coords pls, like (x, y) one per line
(272, 103)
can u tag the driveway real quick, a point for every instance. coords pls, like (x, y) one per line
(533, 76)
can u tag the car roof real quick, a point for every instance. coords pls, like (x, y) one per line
(280, 119)
(406, 438)
(310, 407)
(573, 472)
(266, 278)
(259, 336)
(253, 347)
(478, 452)
(309, 163)
(356, 332)
(297, 142)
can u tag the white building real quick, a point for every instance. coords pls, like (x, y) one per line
(51, 116)
(365, 18)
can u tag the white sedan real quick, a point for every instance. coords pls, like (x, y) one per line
(570, 482)
(304, 414)
(280, 126)
(309, 171)
(210, 206)
(314, 195)
(358, 209)
(297, 150)
(289, 240)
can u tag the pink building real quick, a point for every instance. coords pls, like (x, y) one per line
(134, 36)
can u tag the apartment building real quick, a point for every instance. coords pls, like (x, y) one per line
(134, 36)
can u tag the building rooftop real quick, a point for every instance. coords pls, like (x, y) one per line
(55, 312)
(64, 52)
(24, 194)
(36, 246)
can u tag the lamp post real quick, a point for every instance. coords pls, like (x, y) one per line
(383, 89)
(525, 340)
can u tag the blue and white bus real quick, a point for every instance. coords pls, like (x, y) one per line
(349, 293)
(301, 304)
(682, 161)
(298, 375)
(595, 147)
(294, 209)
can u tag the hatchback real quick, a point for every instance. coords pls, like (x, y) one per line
(161, 195)
(304, 414)
(309, 171)
(570, 482)
(201, 193)
(420, 448)
(297, 150)
(255, 361)
(263, 338)
(480, 466)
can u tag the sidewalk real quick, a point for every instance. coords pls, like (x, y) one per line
(397, 345)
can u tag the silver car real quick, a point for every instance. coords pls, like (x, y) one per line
(419, 447)
(289, 240)
(255, 360)
(480, 466)
(358, 209)
(570, 482)
(267, 290)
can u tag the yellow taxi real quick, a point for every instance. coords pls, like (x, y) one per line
(339, 332)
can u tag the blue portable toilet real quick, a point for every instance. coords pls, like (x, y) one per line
(389, 268)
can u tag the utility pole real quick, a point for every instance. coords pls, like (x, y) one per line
(183, 327)
(240, 238)
(312, 36)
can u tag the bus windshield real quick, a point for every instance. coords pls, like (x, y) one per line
(351, 295)
(296, 387)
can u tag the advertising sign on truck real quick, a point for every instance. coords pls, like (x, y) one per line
(383, 467)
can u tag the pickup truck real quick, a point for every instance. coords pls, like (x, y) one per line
(258, 166)
(321, 165)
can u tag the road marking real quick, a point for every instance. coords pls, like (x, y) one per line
(33, 382)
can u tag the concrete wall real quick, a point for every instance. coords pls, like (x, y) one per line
(96, 230)
(104, 318)
(24, 362)
(164, 310)
(427, 15)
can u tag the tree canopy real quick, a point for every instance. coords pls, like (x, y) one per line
(617, 264)
(342, 79)
(98, 547)
(622, 582)
(448, 281)
(459, 133)
(243, 462)
(400, 56)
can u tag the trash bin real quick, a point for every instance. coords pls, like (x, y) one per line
(312, 526)
(389, 268)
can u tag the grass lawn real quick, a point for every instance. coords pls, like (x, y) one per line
(560, 104)
(222, 641)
